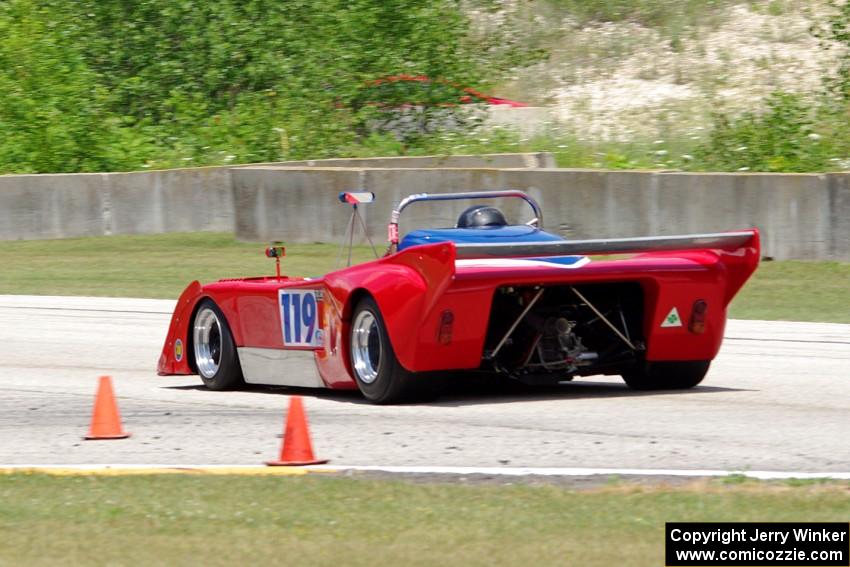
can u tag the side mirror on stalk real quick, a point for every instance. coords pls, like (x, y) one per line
(276, 251)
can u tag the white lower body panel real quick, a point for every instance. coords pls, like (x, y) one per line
(277, 367)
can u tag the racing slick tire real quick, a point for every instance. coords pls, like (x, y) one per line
(666, 375)
(214, 351)
(378, 373)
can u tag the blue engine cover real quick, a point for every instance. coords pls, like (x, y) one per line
(481, 235)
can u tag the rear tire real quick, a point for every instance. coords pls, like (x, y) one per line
(667, 375)
(378, 373)
(215, 353)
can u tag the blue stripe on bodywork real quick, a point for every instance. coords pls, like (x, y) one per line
(562, 260)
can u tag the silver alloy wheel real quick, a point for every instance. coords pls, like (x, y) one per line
(366, 346)
(207, 341)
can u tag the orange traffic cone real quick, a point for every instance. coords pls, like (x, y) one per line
(296, 448)
(105, 419)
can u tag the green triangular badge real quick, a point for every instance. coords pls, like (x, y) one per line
(672, 319)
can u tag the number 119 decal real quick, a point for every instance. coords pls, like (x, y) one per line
(299, 317)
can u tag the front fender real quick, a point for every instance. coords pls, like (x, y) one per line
(175, 358)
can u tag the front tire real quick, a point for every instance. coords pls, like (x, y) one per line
(666, 375)
(214, 350)
(378, 373)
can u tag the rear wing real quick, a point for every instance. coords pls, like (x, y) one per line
(729, 241)
(738, 251)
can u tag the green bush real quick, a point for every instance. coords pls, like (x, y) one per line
(90, 85)
(99, 85)
(784, 137)
(54, 116)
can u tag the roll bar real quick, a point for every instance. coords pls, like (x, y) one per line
(394, 217)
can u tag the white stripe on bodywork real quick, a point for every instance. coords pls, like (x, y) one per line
(517, 263)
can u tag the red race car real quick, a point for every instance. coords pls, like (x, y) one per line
(483, 296)
(419, 90)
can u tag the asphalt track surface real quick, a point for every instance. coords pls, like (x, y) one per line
(776, 399)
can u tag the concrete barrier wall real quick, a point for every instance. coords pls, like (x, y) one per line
(51, 206)
(279, 203)
(65, 206)
(805, 216)
(176, 200)
(792, 210)
(839, 207)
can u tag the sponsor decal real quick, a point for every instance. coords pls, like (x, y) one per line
(299, 317)
(672, 319)
(331, 334)
(178, 350)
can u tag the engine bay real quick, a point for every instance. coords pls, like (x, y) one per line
(550, 334)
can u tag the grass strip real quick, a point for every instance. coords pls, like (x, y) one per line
(221, 520)
(155, 266)
(160, 266)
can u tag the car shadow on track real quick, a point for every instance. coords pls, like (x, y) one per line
(462, 393)
(477, 394)
(351, 396)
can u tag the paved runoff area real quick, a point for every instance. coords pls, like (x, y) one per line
(776, 399)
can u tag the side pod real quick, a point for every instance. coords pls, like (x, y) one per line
(406, 288)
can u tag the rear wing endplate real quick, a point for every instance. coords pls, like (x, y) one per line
(716, 241)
